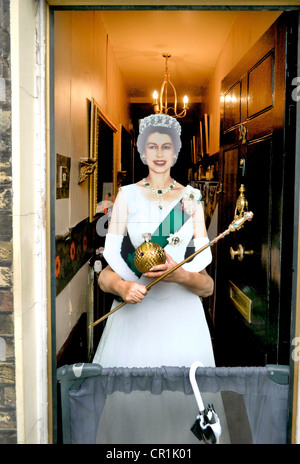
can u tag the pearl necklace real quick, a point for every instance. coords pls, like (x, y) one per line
(159, 192)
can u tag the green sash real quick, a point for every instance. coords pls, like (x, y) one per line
(171, 224)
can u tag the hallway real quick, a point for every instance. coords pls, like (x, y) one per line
(81, 77)
(125, 69)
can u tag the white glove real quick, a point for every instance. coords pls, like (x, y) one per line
(203, 259)
(112, 254)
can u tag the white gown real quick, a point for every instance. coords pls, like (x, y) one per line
(168, 328)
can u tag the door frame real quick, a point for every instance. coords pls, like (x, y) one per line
(295, 322)
(51, 6)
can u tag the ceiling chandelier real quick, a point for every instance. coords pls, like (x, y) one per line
(160, 102)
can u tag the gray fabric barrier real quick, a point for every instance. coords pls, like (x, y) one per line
(264, 390)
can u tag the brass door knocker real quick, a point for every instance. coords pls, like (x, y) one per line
(241, 203)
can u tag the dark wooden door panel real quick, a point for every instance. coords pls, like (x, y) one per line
(260, 86)
(259, 194)
(252, 94)
(232, 106)
(248, 306)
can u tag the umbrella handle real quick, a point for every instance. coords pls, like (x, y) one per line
(192, 376)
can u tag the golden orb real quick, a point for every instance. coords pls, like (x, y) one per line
(148, 254)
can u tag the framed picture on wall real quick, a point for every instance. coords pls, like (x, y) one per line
(102, 131)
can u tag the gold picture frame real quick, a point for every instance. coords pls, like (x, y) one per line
(98, 119)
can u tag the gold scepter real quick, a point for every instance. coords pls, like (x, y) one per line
(236, 224)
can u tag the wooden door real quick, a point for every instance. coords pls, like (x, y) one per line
(253, 283)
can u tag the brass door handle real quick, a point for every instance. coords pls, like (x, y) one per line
(240, 252)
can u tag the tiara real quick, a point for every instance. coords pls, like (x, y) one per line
(160, 120)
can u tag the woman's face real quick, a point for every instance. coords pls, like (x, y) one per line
(159, 152)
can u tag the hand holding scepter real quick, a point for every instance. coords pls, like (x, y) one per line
(236, 224)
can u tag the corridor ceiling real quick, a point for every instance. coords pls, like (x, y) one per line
(193, 38)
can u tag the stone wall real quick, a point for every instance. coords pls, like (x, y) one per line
(8, 432)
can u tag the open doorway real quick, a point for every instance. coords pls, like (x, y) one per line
(80, 75)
